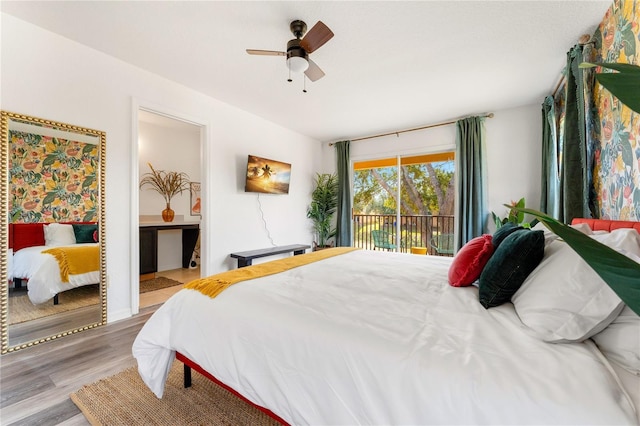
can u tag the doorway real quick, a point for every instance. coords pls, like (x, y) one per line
(169, 251)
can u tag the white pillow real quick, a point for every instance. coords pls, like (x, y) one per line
(582, 227)
(550, 236)
(624, 239)
(563, 299)
(620, 341)
(58, 234)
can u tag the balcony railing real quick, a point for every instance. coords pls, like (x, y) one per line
(415, 231)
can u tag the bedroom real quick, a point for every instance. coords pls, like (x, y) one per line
(111, 109)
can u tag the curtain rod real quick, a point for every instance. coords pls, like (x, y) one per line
(397, 133)
(582, 41)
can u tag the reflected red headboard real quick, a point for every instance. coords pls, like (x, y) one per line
(607, 225)
(22, 235)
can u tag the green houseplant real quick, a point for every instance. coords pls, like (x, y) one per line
(167, 184)
(514, 216)
(324, 202)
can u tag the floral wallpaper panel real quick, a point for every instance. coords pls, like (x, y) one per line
(52, 179)
(617, 157)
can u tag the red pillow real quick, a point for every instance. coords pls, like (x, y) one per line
(470, 261)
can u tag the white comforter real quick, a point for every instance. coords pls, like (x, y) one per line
(43, 272)
(379, 338)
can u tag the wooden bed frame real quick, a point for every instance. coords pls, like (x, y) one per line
(594, 224)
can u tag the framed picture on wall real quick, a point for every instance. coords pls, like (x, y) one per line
(194, 189)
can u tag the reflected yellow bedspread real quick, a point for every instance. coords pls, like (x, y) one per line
(215, 284)
(75, 260)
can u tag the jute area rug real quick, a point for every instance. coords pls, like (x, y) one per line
(21, 309)
(123, 399)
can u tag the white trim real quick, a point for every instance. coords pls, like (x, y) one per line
(118, 315)
(134, 232)
(138, 105)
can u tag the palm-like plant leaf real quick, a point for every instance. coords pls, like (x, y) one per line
(324, 202)
(617, 270)
(623, 84)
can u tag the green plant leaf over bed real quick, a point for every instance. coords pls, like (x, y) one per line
(620, 272)
(624, 84)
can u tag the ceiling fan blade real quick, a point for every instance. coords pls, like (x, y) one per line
(265, 52)
(314, 72)
(316, 37)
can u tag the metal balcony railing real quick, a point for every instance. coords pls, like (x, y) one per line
(430, 232)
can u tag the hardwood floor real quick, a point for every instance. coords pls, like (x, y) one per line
(181, 275)
(35, 383)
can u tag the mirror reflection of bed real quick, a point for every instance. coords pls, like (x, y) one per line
(41, 296)
(55, 235)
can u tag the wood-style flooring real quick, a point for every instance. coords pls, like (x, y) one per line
(35, 383)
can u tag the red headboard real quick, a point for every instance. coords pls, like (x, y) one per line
(607, 225)
(22, 235)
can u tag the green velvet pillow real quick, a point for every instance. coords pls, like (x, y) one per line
(512, 262)
(503, 232)
(85, 233)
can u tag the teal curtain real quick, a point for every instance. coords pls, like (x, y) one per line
(343, 223)
(574, 179)
(471, 210)
(550, 185)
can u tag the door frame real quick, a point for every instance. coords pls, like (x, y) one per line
(136, 106)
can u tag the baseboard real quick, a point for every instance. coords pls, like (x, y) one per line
(118, 315)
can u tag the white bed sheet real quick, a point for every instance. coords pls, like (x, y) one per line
(379, 338)
(43, 272)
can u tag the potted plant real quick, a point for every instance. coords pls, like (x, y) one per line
(324, 202)
(167, 184)
(514, 216)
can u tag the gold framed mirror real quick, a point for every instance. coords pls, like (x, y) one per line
(52, 204)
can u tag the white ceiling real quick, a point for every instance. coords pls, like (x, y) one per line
(392, 65)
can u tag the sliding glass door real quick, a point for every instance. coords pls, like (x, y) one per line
(405, 204)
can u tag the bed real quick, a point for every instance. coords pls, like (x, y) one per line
(53, 258)
(367, 337)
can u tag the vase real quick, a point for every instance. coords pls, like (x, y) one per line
(168, 214)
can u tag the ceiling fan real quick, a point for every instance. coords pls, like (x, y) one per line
(299, 48)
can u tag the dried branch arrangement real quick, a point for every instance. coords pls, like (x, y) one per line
(167, 184)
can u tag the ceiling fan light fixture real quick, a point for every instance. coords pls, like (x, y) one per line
(297, 64)
(299, 48)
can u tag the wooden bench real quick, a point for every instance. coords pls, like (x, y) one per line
(246, 257)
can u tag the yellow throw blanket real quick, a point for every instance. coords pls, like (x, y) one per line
(75, 260)
(215, 284)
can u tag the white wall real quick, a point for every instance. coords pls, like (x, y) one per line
(514, 153)
(48, 76)
(513, 143)
(168, 149)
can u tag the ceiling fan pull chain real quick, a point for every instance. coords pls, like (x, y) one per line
(289, 79)
(304, 84)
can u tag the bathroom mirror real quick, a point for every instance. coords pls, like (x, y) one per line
(52, 262)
